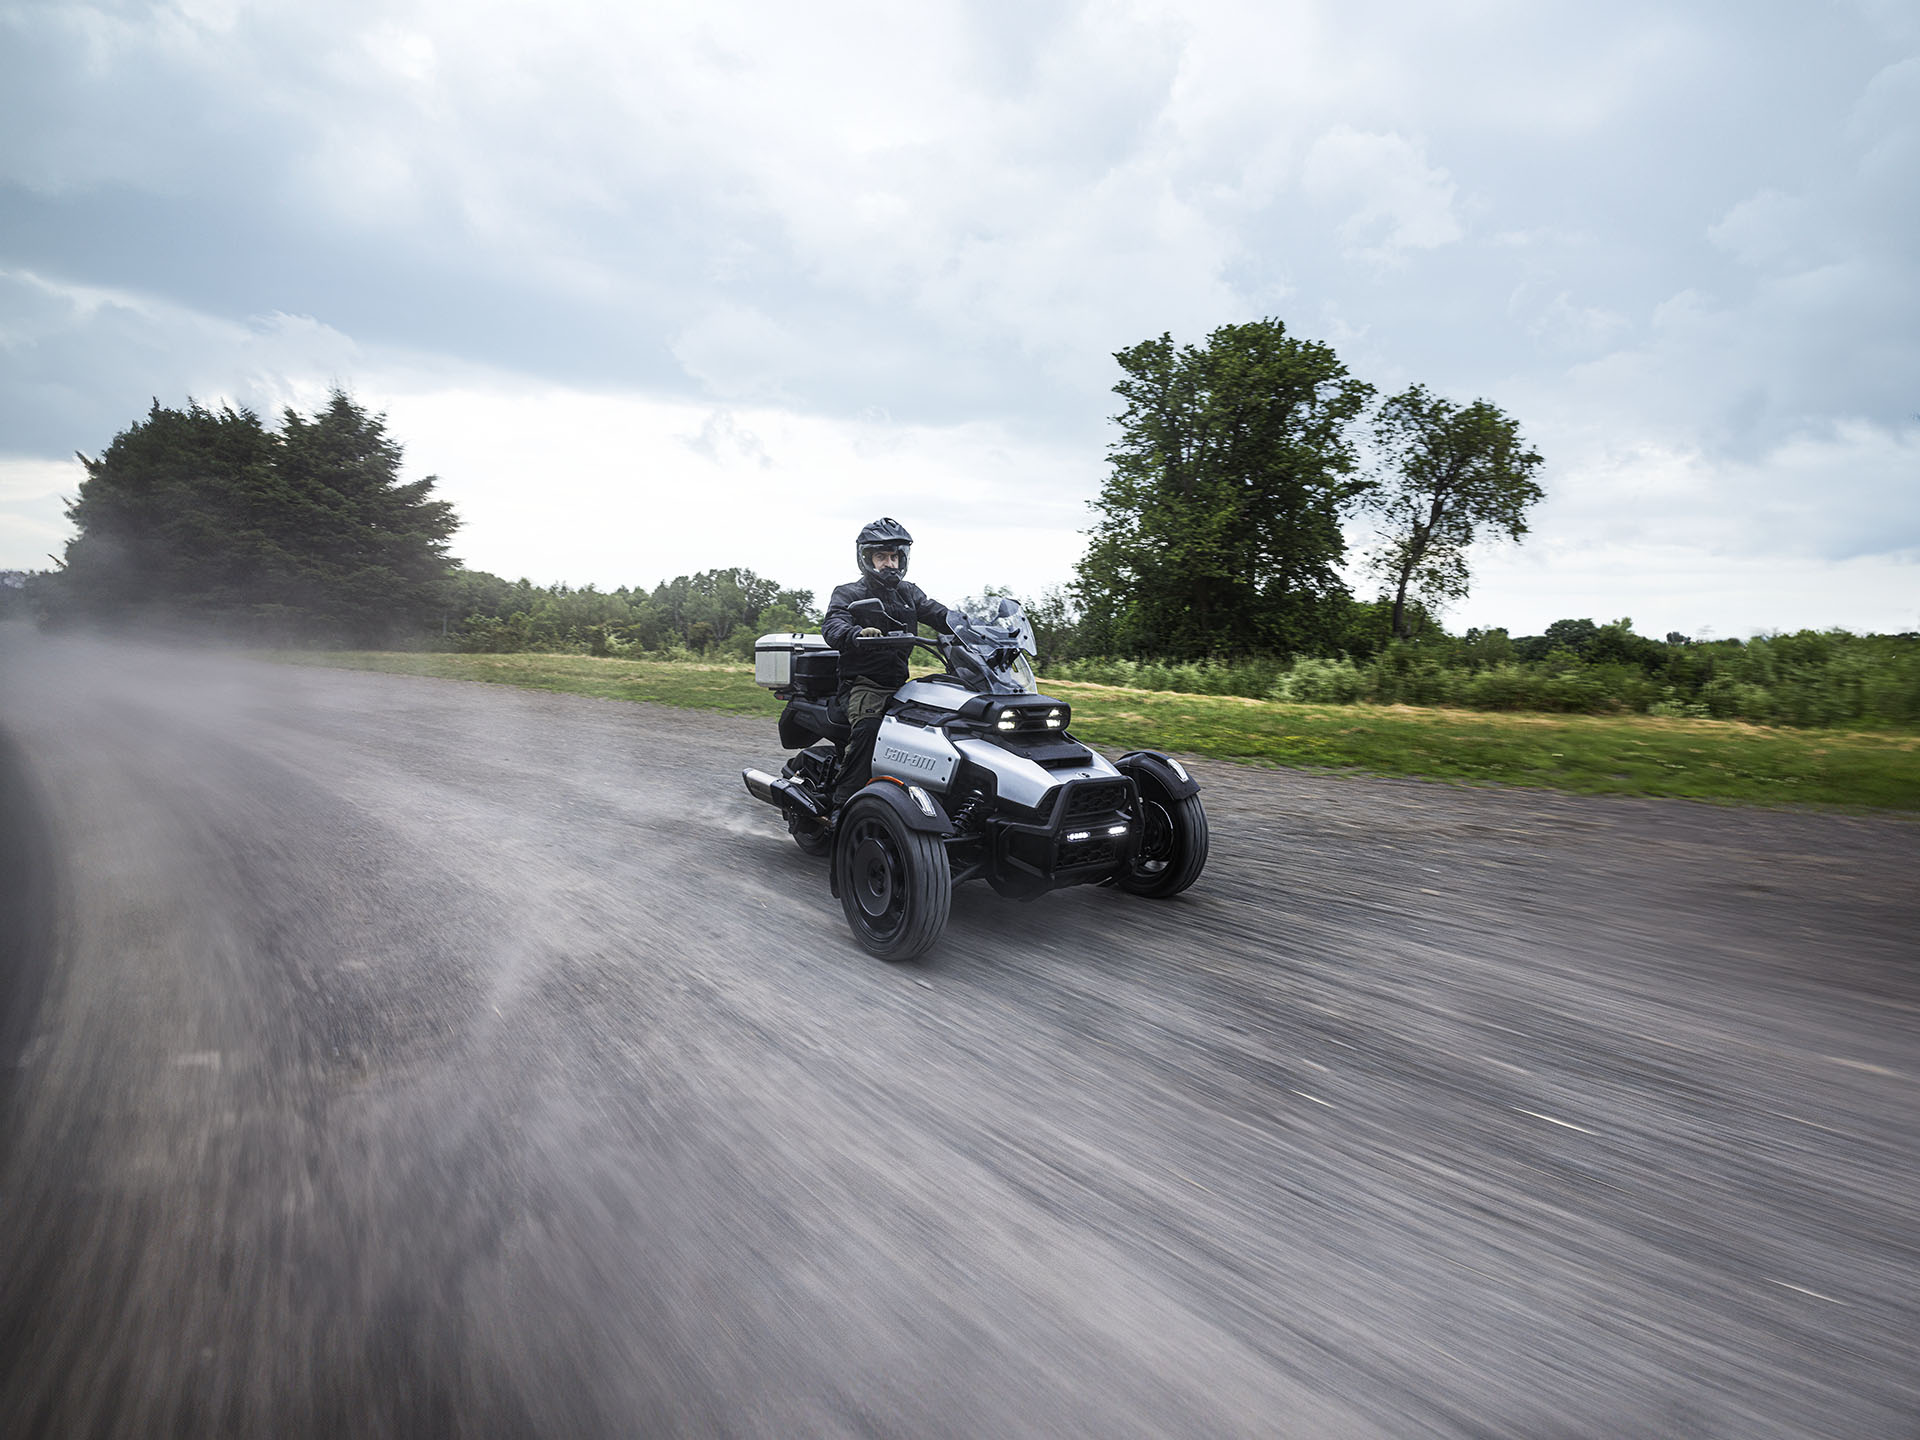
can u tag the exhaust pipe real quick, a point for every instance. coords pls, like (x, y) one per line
(784, 793)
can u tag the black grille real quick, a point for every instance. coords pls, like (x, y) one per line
(1101, 851)
(1097, 799)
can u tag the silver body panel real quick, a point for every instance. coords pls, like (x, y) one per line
(914, 754)
(928, 758)
(934, 694)
(1020, 780)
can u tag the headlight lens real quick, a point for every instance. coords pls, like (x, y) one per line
(1032, 717)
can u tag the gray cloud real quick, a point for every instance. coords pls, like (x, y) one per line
(1652, 231)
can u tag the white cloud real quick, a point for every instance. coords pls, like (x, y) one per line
(33, 496)
(1765, 230)
(78, 363)
(1845, 491)
(626, 489)
(1563, 323)
(1664, 588)
(407, 54)
(1392, 199)
(25, 480)
(738, 352)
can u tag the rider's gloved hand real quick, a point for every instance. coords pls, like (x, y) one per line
(869, 633)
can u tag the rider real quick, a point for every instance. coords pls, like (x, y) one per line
(869, 674)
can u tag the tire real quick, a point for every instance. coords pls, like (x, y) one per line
(895, 883)
(812, 838)
(1173, 851)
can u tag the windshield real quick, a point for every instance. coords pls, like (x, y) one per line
(990, 646)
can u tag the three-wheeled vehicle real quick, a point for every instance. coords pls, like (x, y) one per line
(976, 775)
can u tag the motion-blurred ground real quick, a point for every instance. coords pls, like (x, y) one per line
(394, 1056)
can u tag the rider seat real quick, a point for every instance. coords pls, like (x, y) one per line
(805, 721)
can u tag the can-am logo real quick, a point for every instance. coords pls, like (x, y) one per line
(907, 757)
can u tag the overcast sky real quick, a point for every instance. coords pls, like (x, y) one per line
(653, 288)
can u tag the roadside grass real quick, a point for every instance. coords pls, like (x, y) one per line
(1587, 754)
(690, 685)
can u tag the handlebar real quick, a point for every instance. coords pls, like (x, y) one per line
(897, 642)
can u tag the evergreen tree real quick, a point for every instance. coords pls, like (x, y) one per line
(208, 517)
(374, 548)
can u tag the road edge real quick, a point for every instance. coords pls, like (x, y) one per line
(28, 911)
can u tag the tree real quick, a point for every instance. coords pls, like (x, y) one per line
(1221, 513)
(373, 549)
(173, 518)
(1446, 471)
(209, 517)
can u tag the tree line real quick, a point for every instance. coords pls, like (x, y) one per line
(1215, 563)
(211, 521)
(713, 613)
(1809, 678)
(1220, 531)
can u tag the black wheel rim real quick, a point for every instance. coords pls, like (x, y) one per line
(1157, 841)
(876, 876)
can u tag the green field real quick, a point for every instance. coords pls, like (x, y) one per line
(1591, 754)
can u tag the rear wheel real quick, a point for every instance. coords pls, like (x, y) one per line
(1173, 844)
(895, 883)
(812, 836)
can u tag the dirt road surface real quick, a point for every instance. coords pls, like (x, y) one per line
(390, 1056)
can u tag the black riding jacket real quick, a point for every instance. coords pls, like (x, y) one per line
(906, 603)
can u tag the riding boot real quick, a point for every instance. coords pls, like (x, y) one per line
(856, 761)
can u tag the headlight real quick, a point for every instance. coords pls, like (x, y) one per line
(1116, 830)
(1008, 719)
(1077, 836)
(1056, 718)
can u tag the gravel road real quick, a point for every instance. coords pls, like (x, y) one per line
(390, 1056)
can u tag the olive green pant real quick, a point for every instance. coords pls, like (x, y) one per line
(866, 702)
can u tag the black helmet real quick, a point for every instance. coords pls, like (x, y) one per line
(884, 534)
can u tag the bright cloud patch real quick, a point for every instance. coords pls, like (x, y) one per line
(561, 485)
(1392, 199)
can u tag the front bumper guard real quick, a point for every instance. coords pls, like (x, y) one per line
(1076, 841)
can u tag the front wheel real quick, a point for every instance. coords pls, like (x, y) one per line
(895, 883)
(1173, 845)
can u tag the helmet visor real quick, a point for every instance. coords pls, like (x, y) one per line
(886, 560)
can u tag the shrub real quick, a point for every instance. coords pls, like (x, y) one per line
(1321, 682)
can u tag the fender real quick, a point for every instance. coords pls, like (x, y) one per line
(1169, 774)
(893, 794)
(907, 806)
